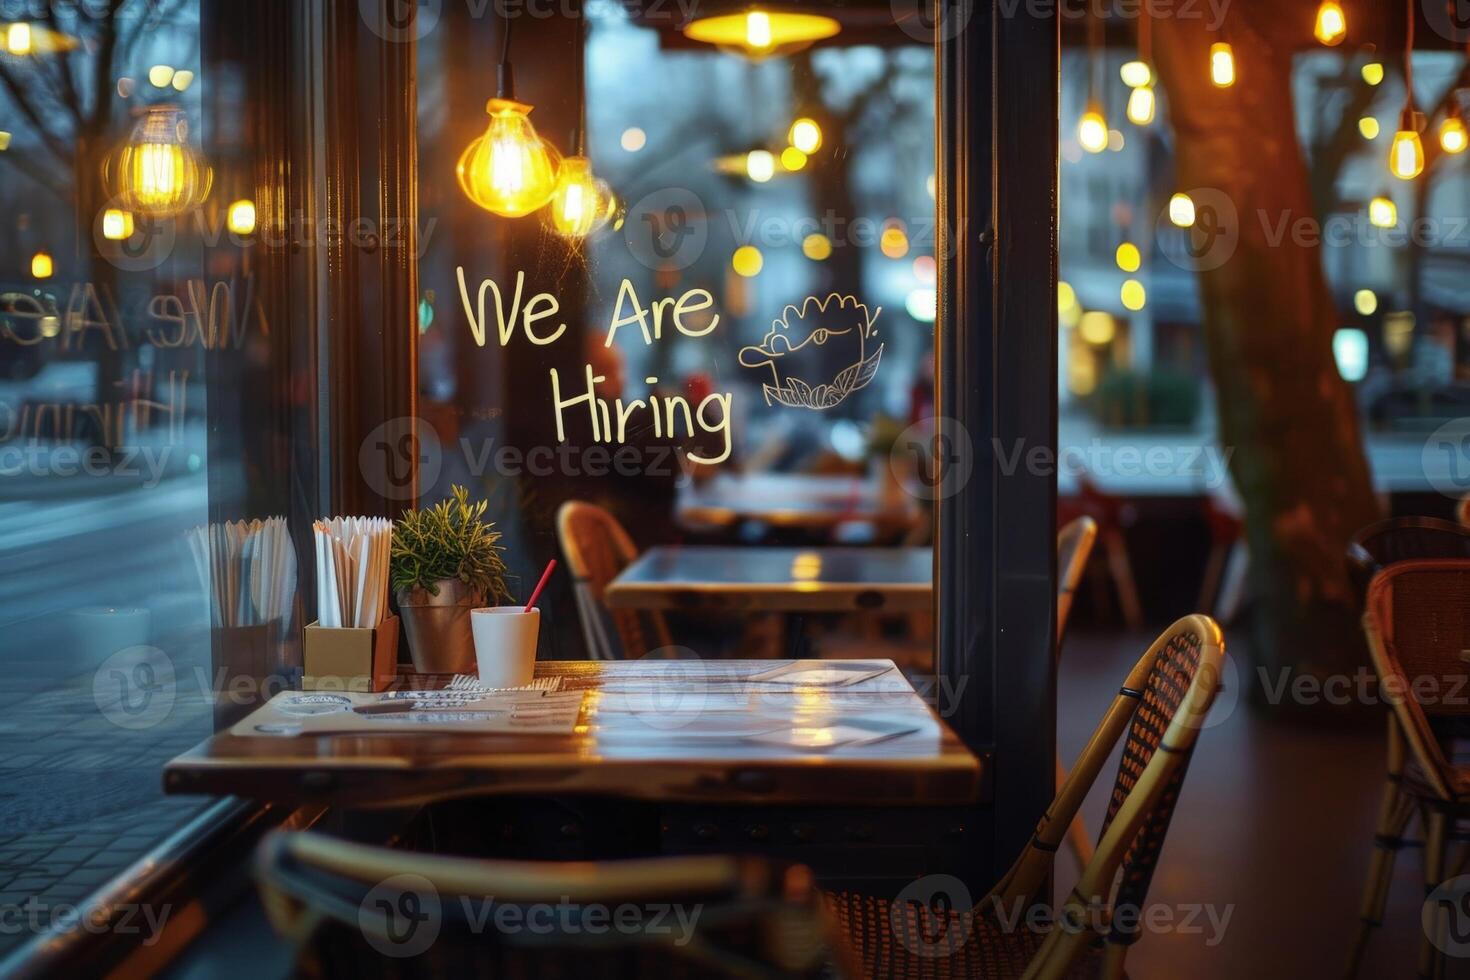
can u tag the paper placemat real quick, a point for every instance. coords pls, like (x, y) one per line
(302, 713)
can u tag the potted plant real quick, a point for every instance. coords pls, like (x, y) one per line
(446, 561)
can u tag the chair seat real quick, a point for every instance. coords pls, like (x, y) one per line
(911, 940)
(1417, 783)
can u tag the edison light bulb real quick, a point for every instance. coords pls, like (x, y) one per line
(155, 172)
(1406, 155)
(1382, 212)
(1181, 210)
(1092, 130)
(1452, 136)
(581, 203)
(806, 135)
(1141, 105)
(509, 170)
(1136, 73)
(1222, 64)
(1331, 25)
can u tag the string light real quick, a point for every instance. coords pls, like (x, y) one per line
(1139, 77)
(1136, 73)
(1128, 257)
(41, 265)
(805, 135)
(1365, 301)
(793, 159)
(1368, 127)
(1181, 210)
(1222, 64)
(1141, 105)
(117, 225)
(747, 261)
(580, 203)
(1373, 72)
(817, 247)
(1406, 153)
(760, 165)
(240, 218)
(1092, 129)
(1331, 26)
(1382, 212)
(1452, 135)
(18, 38)
(1132, 295)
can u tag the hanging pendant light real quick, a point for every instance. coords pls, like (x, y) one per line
(155, 172)
(1382, 212)
(1092, 129)
(1331, 25)
(509, 170)
(1222, 64)
(581, 203)
(758, 34)
(1141, 105)
(1452, 135)
(1406, 153)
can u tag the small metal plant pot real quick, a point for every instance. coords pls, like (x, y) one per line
(440, 640)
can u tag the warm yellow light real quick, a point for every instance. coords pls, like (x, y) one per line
(1222, 64)
(817, 247)
(1365, 301)
(1092, 130)
(183, 79)
(159, 76)
(633, 139)
(760, 166)
(929, 186)
(579, 206)
(18, 39)
(1141, 105)
(793, 159)
(806, 135)
(155, 172)
(1406, 155)
(240, 217)
(1398, 332)
(1181, 210)
(1132, 294)
(1128, 257)
(1368, 127)
(1331, 25)
(1373, 73)
(1081, 371)
(4, 140)
(1452, 136)
(1066, 296)
(42, 266)
(509, 171)
(1097, 327)
(1382, 212)
(117, 225)
(894, 242)
(1136, 73)
(760, 34)
(747, 261)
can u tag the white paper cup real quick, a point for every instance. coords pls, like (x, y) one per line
(505, 644)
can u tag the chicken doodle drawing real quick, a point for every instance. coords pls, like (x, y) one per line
(804, 344)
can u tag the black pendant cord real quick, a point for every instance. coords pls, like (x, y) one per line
(505, 82)
(579, 135)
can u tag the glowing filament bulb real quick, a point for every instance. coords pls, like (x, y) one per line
(1092, 129)
(1406, 155)
(758, 29)
(509, 170)
(1331, 25)
(1452, 136)
(155, 172)
(581, 203)
(1222, 64)
(1382, 212)
(1141, 105)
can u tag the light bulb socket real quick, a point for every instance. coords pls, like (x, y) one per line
(505, 81)
(1411, 120)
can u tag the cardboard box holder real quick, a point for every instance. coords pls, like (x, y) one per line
(349, 659)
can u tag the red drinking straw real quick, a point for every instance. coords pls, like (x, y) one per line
(536, 592)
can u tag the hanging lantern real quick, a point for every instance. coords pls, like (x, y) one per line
(758, 34)
(582, 203)
(156, 172)
(1406, 154)
(1452, 135)
(509, 170)
(1331, 25)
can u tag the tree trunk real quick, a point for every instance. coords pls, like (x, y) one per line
(1269, 319)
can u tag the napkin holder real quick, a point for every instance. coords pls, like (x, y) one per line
(350, 659)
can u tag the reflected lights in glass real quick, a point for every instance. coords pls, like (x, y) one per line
(633, 139)
(816, 247)
(1132, 294)
(805, 135)
(41, 265)
(747, 261)
(117, 225)
(894, 242)
(1128, 257)
(1350, 350)
(1383, 212)
(1181, 210)
(160, 76)
(760, 165)
(1222, 64)
(793, 159)
(1097, 327)
(1368, 127)
(240, 218)
(1365, 301)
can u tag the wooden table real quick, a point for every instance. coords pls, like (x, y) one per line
(794, 580)
(661, 731)
(794, 500)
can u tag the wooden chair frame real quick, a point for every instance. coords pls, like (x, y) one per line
(1074, 548)
(593, 614)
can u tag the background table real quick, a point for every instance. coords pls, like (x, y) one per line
(672, 753)
(776, 579)
(794, 500)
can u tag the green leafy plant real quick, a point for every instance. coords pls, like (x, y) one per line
(449, 540)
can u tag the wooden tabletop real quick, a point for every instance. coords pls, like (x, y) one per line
(776, 579)
(658, 730)
(803, 500)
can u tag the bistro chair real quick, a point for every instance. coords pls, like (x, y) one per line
(1158, 712)
(1113, 515)
(354, 910)
(597, 549)
(1418, 626)
(1074, 547)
